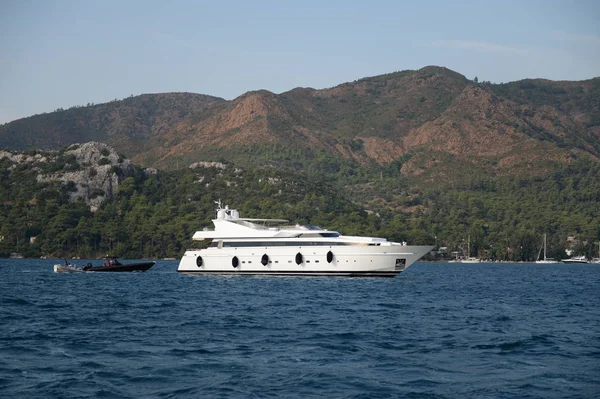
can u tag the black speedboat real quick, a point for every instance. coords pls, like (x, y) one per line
(111, 264)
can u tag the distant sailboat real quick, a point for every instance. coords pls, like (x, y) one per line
(469, 258)
(545, 260)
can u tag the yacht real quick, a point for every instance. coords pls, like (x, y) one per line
(576, 259)
(243, 246)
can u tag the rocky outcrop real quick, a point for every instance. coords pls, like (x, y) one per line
(93, 172)
(18, 158)
(202, 164)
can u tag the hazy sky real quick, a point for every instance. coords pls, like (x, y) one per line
(61, 53)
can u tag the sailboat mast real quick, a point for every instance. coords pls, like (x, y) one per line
(469, 246)
(544, 246)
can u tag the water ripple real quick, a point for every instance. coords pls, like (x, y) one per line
(436, 331)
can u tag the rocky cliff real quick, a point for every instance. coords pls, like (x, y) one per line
(91, 172)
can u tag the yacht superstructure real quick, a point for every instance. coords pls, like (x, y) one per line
(257, 247)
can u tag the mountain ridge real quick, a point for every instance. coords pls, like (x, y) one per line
(431, 118)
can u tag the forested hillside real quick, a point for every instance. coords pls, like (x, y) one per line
(153, 214)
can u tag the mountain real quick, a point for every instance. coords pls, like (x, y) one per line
(432, 124)
(127, 123)
(425, 156)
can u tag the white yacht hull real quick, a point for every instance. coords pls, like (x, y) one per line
(343, 260)
(574, 261)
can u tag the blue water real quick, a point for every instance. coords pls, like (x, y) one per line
(435, 331)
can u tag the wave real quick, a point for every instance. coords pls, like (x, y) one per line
(165, 335)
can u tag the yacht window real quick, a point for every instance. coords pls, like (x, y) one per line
(310, 227)
(284, 243)
(329, 234)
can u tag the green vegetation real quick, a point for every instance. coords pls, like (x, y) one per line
(155, 215)
(316, 163)
(507, 218)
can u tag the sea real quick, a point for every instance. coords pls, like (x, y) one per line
(438, 330)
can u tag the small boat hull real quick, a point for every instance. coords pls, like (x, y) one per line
(470, 260)
(131, 267)
(66, 269)
(576, 259)
(119, 267)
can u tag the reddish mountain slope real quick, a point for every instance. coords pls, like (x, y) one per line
(434, 116)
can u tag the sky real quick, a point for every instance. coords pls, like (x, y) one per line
(63, 53)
